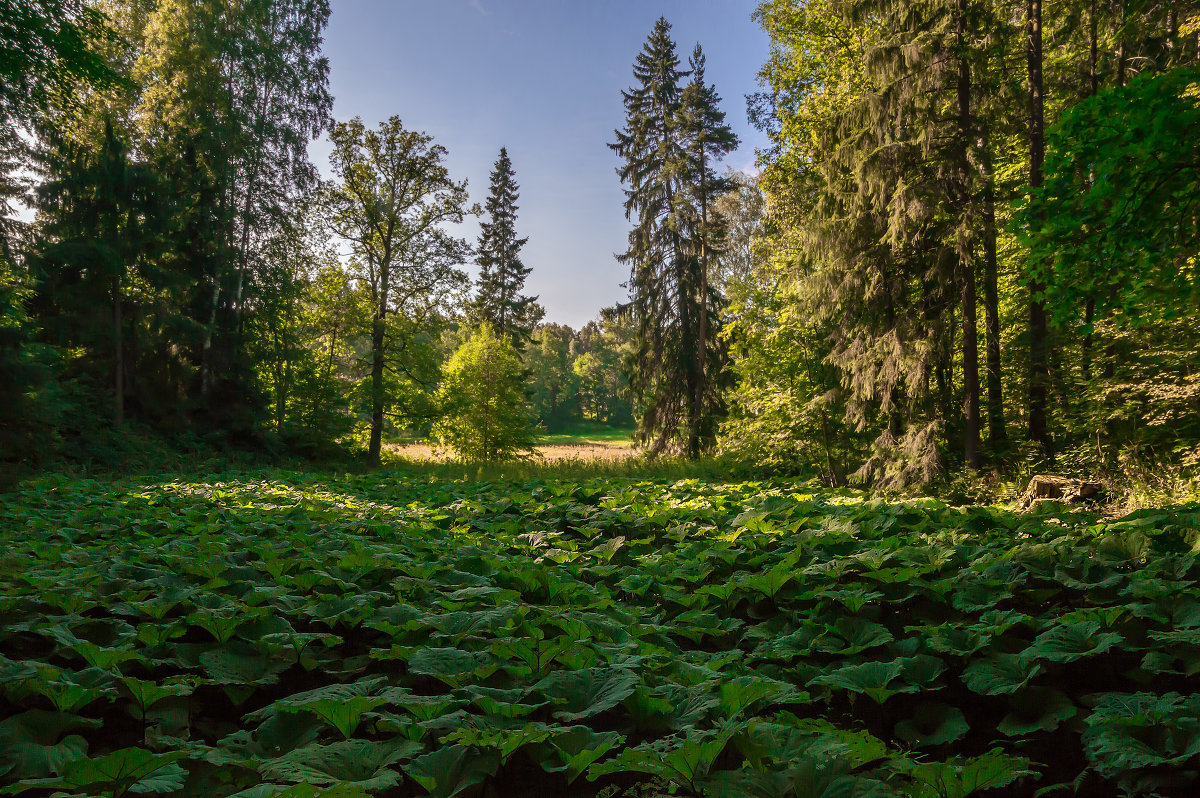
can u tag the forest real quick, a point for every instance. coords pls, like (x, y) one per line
(303, 491)
(971, 249)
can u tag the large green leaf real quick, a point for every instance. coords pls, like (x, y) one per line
(1000, 674)
(1069, 642)
(360, 763)
(127, 770)
(1036, 709)
(588, 692)
(875, 679)
(959, 777)
(453, 769)
(934, 723)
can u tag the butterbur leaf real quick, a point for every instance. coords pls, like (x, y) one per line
(343, 715)
(452, 769)
(361, 763)
(1069, 642)
(330, 692)
(859, 634)
(105, 658)
(145, 694)
(499, 702)
(679, 759)
(32, 745)
(874, 679)
(588, 692)
(1130, 731)
(130, 769)
(959, 778)
(743, 784)
(742, 691)
(302, 791)
(1036, 709)
(241, 664)
(506, 741)
(449, 665)
(1000, 674)
(935, 723)
(426, 707)
(169, 778)
(570, 751)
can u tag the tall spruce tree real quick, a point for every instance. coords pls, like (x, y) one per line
(498, 300)
(707, 138)
(671, 138)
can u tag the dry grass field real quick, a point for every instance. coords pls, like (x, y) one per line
(607, 446)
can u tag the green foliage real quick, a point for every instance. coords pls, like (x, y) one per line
(392, 196)
(287, 634)
(1116, 220)
(498, 299)
(905, 197)
(673, 135)
(484, 402)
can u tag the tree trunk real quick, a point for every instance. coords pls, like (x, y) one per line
(966, 256)
(1039, 372)
(378, 328)
(997, 434)
(702, 336)
(1089, 311)
(118, 356)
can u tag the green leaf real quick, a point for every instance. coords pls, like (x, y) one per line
(588, 692)
(449, 665)
(870, 678)
(1069, 642)
(1036, 709)
(935, 723)
(32, 744)
(343, 714)
(959, 778)
(452, 769)
(130, 769)
(360, 763)
(1000, 674)
(571, 750)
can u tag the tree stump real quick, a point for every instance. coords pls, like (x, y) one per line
(1063, 490)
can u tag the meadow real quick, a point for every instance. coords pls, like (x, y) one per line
(274, 633)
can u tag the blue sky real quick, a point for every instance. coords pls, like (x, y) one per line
(542, 78)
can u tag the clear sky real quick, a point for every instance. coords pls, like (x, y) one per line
(542, 78)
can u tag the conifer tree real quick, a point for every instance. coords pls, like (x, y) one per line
(672, 135)
(707, 138)
(501, 274)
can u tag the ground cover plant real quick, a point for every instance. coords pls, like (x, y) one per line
(284, 634)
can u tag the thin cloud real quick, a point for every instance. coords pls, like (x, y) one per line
(478, 6)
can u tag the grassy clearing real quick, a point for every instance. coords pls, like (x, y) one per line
(400, 634)
(598, 446)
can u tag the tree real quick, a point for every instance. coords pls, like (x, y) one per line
(1039, 367)
(742, 209)
(672, 136)
(707, 138)
(554, 388)
(103, 224)
(392, 195)
(1127, 238)
(229, 94)
(483, 395)
(498, 299)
